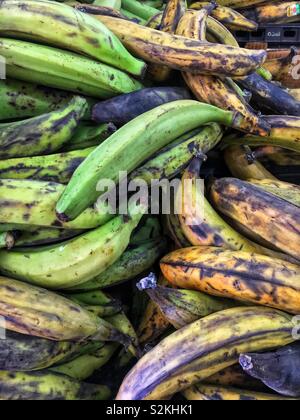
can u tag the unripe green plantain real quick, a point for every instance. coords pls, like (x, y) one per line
(131, 145)
(39, 135)
(122, 323)
(52, 168)
(62, 26)
(44, 236)
(96, 297)
(89, 135)
(173, 159)
(26, 204)
(43, 386)
(64, 70)
(84, 366)
(73, 262)
(98, 303)
(37, 312)
(22, 100)
(132, 263)
(142, 10)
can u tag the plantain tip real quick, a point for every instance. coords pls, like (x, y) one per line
(62, 217)
(246, 362)
(149, 282)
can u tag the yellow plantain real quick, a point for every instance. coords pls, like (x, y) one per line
(229, 17)
(37, 312)
(237, 275)
(212, 89)
(173, 12)
(269, 217)
(284, 190)
(285, 133)
(242, 163)
(204, 348)
(238, 4)
(274, 12)
(199, 222)
(184, 54)
(278, 156)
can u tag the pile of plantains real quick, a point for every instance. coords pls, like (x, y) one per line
(99, 303)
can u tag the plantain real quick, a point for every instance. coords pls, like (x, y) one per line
(278, 370)
(149, 228)
(23, 100)
(57, 168)
(37, 312)
(182, 54)
(101, 7)
(269, 96)
(21, 352)
(95, 298)
(242, 163)
(204, 348)
(171, 16)
(89, 135)
(122, 324)
(212, 89)
(238, 4)
(269, 217)
(101, 311)
(141, 10)
(59, 25)
(277, 156)
(234, 376)
(153, 323)
(284, 190)
(132, 263)
(171, 160)
(235, 274)
(228, 17)
(174, 231)
(284, 133)
(44, 236)
(280, 12)
(199, 222)
(44, 134)
(203, 392)
(64, 70)
(47, 386)
(280, 64)
(146, 134)
(83, 367)
(124, 108)
(26, 204)
(182, 307)
(76, 261)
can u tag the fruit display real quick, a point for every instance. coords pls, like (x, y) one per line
(149, 202)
